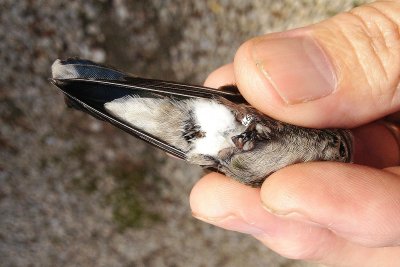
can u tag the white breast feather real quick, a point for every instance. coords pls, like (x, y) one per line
(165, 119)
(219, 125)
(143, 113)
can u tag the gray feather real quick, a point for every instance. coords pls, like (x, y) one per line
(84, 69)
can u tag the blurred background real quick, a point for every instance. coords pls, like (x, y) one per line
(74, 191)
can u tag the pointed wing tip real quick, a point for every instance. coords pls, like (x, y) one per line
(64, 69)
(58, 69)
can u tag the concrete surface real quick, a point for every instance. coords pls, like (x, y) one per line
(75, 191)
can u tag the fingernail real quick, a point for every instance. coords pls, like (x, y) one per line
(296, 67)
(291, 214)
(233, 223)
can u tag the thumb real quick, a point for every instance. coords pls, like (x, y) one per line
(342, 72)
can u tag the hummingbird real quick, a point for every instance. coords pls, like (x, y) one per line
(214, 128)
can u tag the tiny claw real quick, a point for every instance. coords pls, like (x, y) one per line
(238, 141)
(244, 140)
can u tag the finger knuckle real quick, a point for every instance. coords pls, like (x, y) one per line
(377, 34)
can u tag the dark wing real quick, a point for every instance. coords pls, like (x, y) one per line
(100, 113)
(88, 86)
(74, 73)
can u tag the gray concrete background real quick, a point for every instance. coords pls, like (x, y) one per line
(75, 191)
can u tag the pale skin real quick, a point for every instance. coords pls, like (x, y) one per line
(331, 213)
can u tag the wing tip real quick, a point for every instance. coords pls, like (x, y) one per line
(57, 69)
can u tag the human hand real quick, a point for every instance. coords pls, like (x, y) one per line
(342, 72)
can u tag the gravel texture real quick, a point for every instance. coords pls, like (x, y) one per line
(76, 192)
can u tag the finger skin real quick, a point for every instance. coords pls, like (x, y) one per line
(222, 76)
(375, 146)
(233, 206)
(355, 202)
(225, 203)
(363, 48)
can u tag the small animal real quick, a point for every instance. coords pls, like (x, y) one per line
(214, 128)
